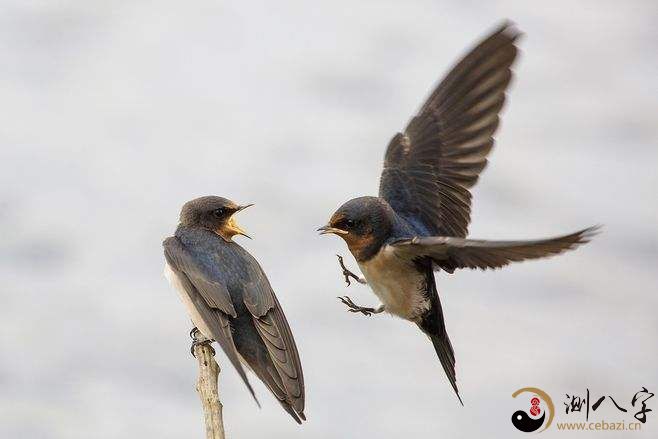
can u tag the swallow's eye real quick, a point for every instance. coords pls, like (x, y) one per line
(219, 212)
(350, 223)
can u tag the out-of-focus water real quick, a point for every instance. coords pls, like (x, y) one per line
(115, 113)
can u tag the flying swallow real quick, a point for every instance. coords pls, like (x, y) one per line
(419, 222)
(230, 300)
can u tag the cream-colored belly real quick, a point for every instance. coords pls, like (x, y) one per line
(191, 309)
(397, 283)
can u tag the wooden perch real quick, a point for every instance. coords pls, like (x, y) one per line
(207, 387)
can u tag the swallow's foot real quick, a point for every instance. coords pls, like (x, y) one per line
(198, 339)
(353, 307)
(347, 273)
(193, 333)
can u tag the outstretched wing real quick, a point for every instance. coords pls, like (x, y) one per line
(450, 253)
(429, 168)
(273, 328)
(208, 295)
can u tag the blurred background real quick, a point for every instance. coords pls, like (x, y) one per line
(115, 113)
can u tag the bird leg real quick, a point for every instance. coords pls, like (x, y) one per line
(199, 339)
(353, 307)
(347, 273)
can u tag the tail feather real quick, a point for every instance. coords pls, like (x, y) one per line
(433, 325)
(446, 355)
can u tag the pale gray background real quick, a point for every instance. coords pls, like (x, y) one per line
(115, 113)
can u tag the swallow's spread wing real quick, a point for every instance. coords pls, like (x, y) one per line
(429, 168)
(209, 295)
(450, 253)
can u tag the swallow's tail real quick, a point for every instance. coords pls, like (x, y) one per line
(433, 325)
(446, 355)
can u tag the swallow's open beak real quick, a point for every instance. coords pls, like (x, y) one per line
(232, 227)
(328, 229)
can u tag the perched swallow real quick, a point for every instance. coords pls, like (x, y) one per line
(230, 300)
(419, 222)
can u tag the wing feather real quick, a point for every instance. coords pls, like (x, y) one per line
(275, 332)
(450, 253)
(213, 290)
(215, 316)
(429, 168)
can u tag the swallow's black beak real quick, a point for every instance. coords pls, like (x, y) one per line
(243, 207)
(328, 229)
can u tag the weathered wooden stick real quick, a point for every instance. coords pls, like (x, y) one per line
(207, 388)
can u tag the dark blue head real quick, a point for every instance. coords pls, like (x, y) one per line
(365, 223)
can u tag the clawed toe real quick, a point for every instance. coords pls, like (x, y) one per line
(347, 274)
(194, 334)
(353, 307)
(202, 343)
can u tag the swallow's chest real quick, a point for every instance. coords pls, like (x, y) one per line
(397, 283)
